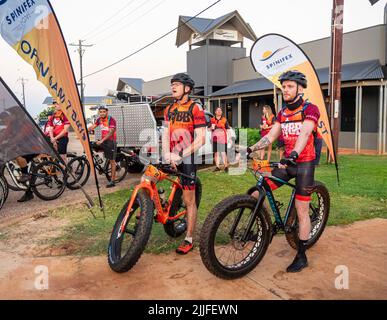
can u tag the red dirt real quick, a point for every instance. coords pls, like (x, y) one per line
(362, 247)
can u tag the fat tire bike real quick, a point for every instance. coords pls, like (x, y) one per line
(238, 231)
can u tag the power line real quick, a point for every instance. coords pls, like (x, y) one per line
(124, 17)
(113, 34)
(108, 19)
(153, 42)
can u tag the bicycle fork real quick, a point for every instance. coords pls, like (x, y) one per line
(130, 206)
(253, 216)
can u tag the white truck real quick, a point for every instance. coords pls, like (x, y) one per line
(137, 129)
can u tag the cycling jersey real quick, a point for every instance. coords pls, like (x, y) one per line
(291, 124)
(269, 122)
(58, 122)
(182, 120)
(219, 135)
(106, 125)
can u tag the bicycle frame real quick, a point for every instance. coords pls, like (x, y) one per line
(265, 192)
(151, 177)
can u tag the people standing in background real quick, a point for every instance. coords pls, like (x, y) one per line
(220, 127)
(267, 123)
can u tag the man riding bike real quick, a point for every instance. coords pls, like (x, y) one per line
(297, 122)
(184, 134)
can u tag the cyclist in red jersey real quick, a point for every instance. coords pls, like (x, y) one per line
(184, 134)
(220, 127)
(297, 122)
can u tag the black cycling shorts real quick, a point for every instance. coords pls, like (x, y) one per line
(304, 174)
(62, 145)
(188, 169)
(110, 149)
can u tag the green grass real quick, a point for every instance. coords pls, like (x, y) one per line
(361, 195)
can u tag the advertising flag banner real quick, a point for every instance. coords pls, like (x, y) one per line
(273, 54)
(19, 134)
(32, 29)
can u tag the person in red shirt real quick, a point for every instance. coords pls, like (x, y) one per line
(266, 125)
(184, 134)
(219, 126)
(59, 131)
(297, 121)
(108, 126)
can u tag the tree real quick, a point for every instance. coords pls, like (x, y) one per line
(45, 113)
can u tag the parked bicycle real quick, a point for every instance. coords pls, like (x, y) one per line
(236, 234)
(133, 226)
(46, 178)
(80, 167)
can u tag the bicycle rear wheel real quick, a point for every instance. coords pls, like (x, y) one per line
(126, 249)
(48, 180)
(80, 169)
(175, 228)
(223, 250)
(319, 214)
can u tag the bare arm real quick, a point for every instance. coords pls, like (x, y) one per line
(91, 128)
(200, 140)
(111, 132)
(272, 136)
(63, 133)
(306, 130)
(165, 142)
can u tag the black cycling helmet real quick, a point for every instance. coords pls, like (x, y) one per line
(295, 76)
(103, 108)
(184, 79)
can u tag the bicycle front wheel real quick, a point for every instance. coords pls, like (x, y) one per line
(121, 169)
(227, 248)
(80, 169)
(48, 180)
(126, 249)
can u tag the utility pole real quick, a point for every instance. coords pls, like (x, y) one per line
(81, 52)
(23, 83)
(336, 69)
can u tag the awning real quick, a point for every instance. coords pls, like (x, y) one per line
(367, 70)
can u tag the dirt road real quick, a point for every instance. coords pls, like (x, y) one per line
(361, 247)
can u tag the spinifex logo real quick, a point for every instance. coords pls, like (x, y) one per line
(269, 54)
(2, 2)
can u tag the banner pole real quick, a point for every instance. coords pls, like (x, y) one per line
(83, 113)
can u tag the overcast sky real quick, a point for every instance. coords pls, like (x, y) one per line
(130, 24)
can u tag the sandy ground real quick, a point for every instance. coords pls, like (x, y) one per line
(361, 247)
(25, 231)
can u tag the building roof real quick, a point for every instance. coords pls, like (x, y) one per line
(367, 70)
(136, 83)
(92, 100)
(205, 26)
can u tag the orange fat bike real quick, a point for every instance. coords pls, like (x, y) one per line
(133, 227)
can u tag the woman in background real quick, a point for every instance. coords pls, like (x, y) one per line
(267, 123)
